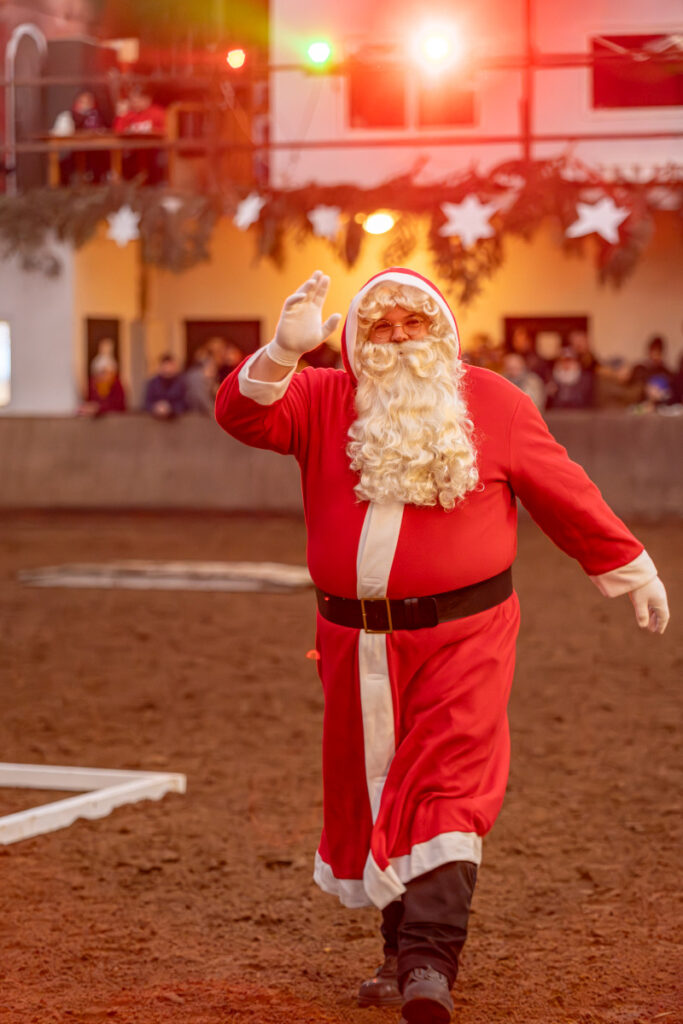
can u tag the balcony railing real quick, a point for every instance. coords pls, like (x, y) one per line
(210, 139)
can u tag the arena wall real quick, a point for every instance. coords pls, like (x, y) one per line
(134, 462)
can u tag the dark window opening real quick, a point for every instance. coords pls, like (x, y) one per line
(548, 333)
(444, 103)
(377, 95)
(637, 71)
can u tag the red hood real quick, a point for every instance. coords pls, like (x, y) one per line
(397, 275)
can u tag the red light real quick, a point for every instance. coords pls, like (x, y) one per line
(236, 59)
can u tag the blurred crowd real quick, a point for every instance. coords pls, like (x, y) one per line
(171, 391)
(573, 377)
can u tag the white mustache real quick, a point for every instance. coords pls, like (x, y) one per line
(380, 361)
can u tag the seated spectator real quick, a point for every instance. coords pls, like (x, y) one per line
(522, 343)
(570, 386)
(483, 351)
(84, 117)
(140, 115)
(200, 383)
(653, 377)
(87, 116)
(514, 370)
(105, 390)
(226, 355)
(165, 392)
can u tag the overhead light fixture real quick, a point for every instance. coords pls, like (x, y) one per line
(379, 222)
(319, 52)
(437, 46)
(236, 58)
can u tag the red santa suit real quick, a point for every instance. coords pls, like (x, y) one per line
(415, 732)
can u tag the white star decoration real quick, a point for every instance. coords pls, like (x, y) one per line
(325, 221)
(468, 220)
(249, 211)
(603, 218)
(123, 225)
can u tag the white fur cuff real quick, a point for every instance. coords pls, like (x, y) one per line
(281, 356)
(264, 392)
(627, 577)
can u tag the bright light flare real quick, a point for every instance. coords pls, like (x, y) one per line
(436, 47)
(236, 59)
(379, 223)
(319, 51)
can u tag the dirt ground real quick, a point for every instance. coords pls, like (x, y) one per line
(200, 909)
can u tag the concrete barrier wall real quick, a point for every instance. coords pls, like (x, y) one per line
(134, 462)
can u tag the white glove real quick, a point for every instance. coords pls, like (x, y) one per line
(300, 328)
(652, 610)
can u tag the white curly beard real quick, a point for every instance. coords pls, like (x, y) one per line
(412, 440)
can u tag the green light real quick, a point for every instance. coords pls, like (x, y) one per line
(319, 52)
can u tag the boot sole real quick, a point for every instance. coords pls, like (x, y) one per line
(365, 1001)
(425, 1011)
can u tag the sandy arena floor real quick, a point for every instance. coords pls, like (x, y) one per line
(200, 909)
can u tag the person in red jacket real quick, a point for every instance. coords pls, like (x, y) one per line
(140, 116)
(411, 464)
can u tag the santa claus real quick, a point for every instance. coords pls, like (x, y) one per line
(411, 466)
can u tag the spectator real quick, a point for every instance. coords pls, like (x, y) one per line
(84, 117)
(515, 370)
(522, 343)
(678, 383)
(570, 386)
(483, 351)
(105, 390)
(140, 115)
(653, 377)
(323, 355)
(578, 342)
(87, 116)
(200, 383)
(165, 392)
(226, 355)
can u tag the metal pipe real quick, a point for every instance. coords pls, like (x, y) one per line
(391, 142)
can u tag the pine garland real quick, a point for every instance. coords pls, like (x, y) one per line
(175, 240)
(176, 229)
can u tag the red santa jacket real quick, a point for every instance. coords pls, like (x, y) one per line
(308, 415)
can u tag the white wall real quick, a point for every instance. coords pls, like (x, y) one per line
(570, 25)
(40, 312)
(313, 107)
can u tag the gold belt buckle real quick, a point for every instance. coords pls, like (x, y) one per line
(364, 613)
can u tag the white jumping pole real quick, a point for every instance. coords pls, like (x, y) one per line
(101, 790)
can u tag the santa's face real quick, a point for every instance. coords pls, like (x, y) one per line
(411, 440)
(398, 324)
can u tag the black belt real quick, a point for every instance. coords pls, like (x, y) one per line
(382, 615)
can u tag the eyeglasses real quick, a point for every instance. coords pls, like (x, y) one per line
(413, 326)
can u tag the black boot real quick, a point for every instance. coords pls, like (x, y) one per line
(382, 990)
(426, 997)
(433, 927)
